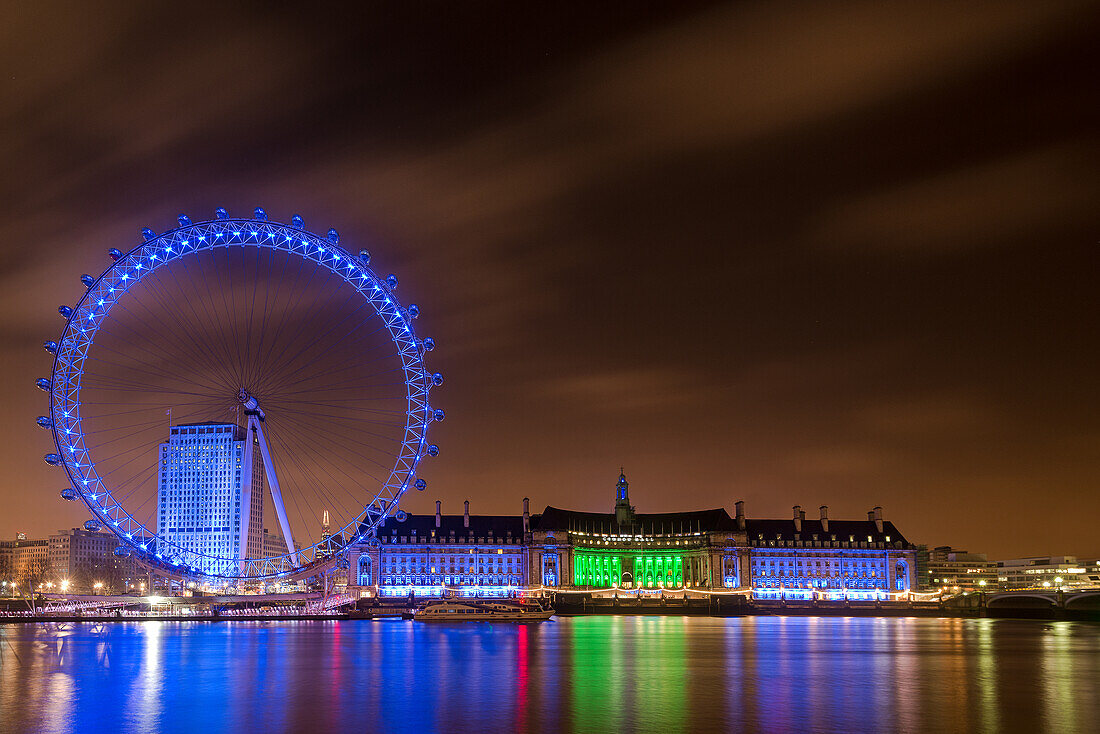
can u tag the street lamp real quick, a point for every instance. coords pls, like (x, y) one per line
(97, 586)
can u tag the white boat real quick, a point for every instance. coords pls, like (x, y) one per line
(481, 611)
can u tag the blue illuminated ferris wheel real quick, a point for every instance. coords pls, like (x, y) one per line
(239, 399)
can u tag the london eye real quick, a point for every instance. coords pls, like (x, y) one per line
(239, 400)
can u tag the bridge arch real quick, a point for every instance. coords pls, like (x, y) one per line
(1084, 600)
(1037, 600)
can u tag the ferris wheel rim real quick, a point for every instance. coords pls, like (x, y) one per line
(103, 292)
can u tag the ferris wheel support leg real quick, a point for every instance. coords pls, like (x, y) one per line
(276, 493)
(246, 494)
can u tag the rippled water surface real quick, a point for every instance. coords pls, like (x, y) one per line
(585, 674)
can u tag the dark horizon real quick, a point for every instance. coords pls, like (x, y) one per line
(840, 255)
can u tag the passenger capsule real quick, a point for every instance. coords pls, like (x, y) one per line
(68, 494)
(45, 421)
(221, 213)
(400, 516)
(122, 551)
(420, 484)
(429, 344)
(184, 220)
(437, 379)
(334, 236)
(364, 257)
(297, 222)
(259, 214)
(114, 253)
(65, 311)
(92, 525)
(414, 311)
(43, 384)
(148, 234)
(87, 280)
(433, 450)
(391, 281)
(50, 347)
(438, 414)
(52, 459)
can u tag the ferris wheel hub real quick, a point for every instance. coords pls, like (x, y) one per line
(251, 405)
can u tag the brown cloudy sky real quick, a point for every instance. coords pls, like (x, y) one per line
(787, 253)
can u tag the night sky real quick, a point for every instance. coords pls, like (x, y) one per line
(838, 254)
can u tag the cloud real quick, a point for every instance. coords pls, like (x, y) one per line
(987, 205)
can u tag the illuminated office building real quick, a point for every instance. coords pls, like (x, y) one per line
(199, 493)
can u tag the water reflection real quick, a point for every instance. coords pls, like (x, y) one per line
(586, 674)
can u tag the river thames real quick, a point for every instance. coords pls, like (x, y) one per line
(582, 674)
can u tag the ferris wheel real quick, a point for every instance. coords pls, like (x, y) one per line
(238, 399)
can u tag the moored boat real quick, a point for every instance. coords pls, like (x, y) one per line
(450, 610)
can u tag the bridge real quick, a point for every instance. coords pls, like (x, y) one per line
(1043, 600)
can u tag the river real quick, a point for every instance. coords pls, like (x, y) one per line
(578, 674)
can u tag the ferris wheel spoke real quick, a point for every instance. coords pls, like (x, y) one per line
(291, 304)
(347, 346)
(197, 336)
(298, 449)
(321, 370)
(312, 340)
(162, 333)
(226, 291)
(324, 425)
(211, 315)
(343, 441)
(157, 371)
(308, 518)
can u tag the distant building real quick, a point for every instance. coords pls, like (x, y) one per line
(274, 545)
(570, 550)
(24, 561)
(200, 491)
(77, 550)
(956, 571)
(1040, 572)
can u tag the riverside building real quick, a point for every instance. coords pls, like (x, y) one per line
(957, 571)
(426, 555)
(201, 489)
(567, 550)
(1044, 572)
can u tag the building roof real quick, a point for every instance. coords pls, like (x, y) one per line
(480, 525)
(842, 529)
(655, 523)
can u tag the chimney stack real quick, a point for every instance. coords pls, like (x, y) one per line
(797, 518)
(438, 517)
(466, 514)
(526, 515)
(876, 515)
(825, 518)
(740, 505)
